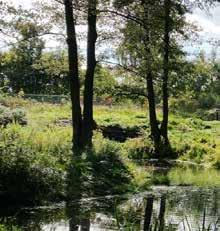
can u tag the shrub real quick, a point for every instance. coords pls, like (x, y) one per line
(12, 102)
(8, 116)
(27, 175)
(18, 116)
(138, 149)
(206, 101)
(197, 152)
(183, 104)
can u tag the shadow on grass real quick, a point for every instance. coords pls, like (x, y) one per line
(96, 174)
(93, 181)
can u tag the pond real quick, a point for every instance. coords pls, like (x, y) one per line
(159, 209)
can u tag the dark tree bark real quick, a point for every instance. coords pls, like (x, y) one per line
(148, 214)
(85, 224)
(89, 78)
(155, 131)
(162, 213)
(73, 75)
(164, 125)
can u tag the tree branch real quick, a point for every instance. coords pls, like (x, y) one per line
(120, 65)
(127, 16)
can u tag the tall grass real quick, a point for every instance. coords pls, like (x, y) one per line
(47, 145)
(194, 176)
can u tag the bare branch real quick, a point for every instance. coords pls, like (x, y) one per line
(127, 16)
(121, 66)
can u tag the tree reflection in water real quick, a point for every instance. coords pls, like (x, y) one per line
(184, 209)
(167, 211)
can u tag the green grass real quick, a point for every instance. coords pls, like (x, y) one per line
(48, 145)
(198, 177)
(125, 116)
(192, 138)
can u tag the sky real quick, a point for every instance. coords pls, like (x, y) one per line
(208, 22)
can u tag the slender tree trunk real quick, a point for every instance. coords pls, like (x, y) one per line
(73, 75)
(162, 213)
(164, 125)
(148, 214)
(155, 131)
(89, 78)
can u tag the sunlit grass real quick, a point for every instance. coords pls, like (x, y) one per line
(198, 177)
(123, 115)
(192, 139)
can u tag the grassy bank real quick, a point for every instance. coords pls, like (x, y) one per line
(35, 158)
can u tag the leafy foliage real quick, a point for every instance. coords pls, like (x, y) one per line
(8, 116)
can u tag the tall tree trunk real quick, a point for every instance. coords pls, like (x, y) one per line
(164, 125)
(162, 213)
(89, 78)
(73, 75)
(155, 131)
(148, 214)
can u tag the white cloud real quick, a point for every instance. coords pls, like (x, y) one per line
(209, 23)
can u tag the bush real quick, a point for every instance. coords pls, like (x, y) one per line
(183, 104)
(139, 149)
(206, 101)
(18, 116)
(28, 175)
(12, 102)
(8, 116)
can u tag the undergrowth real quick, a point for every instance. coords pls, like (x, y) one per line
(37, 157)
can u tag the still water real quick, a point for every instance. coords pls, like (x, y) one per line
(160, 209)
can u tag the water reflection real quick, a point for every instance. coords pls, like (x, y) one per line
(162, 209)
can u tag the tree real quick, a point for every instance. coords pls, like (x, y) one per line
(73, 75)
(82, 124)
(18, 63)
(155, 131)
(29, 39)
(104, 83)
(147, 48)
(167, 30)
(90, 71)
(52, 69)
